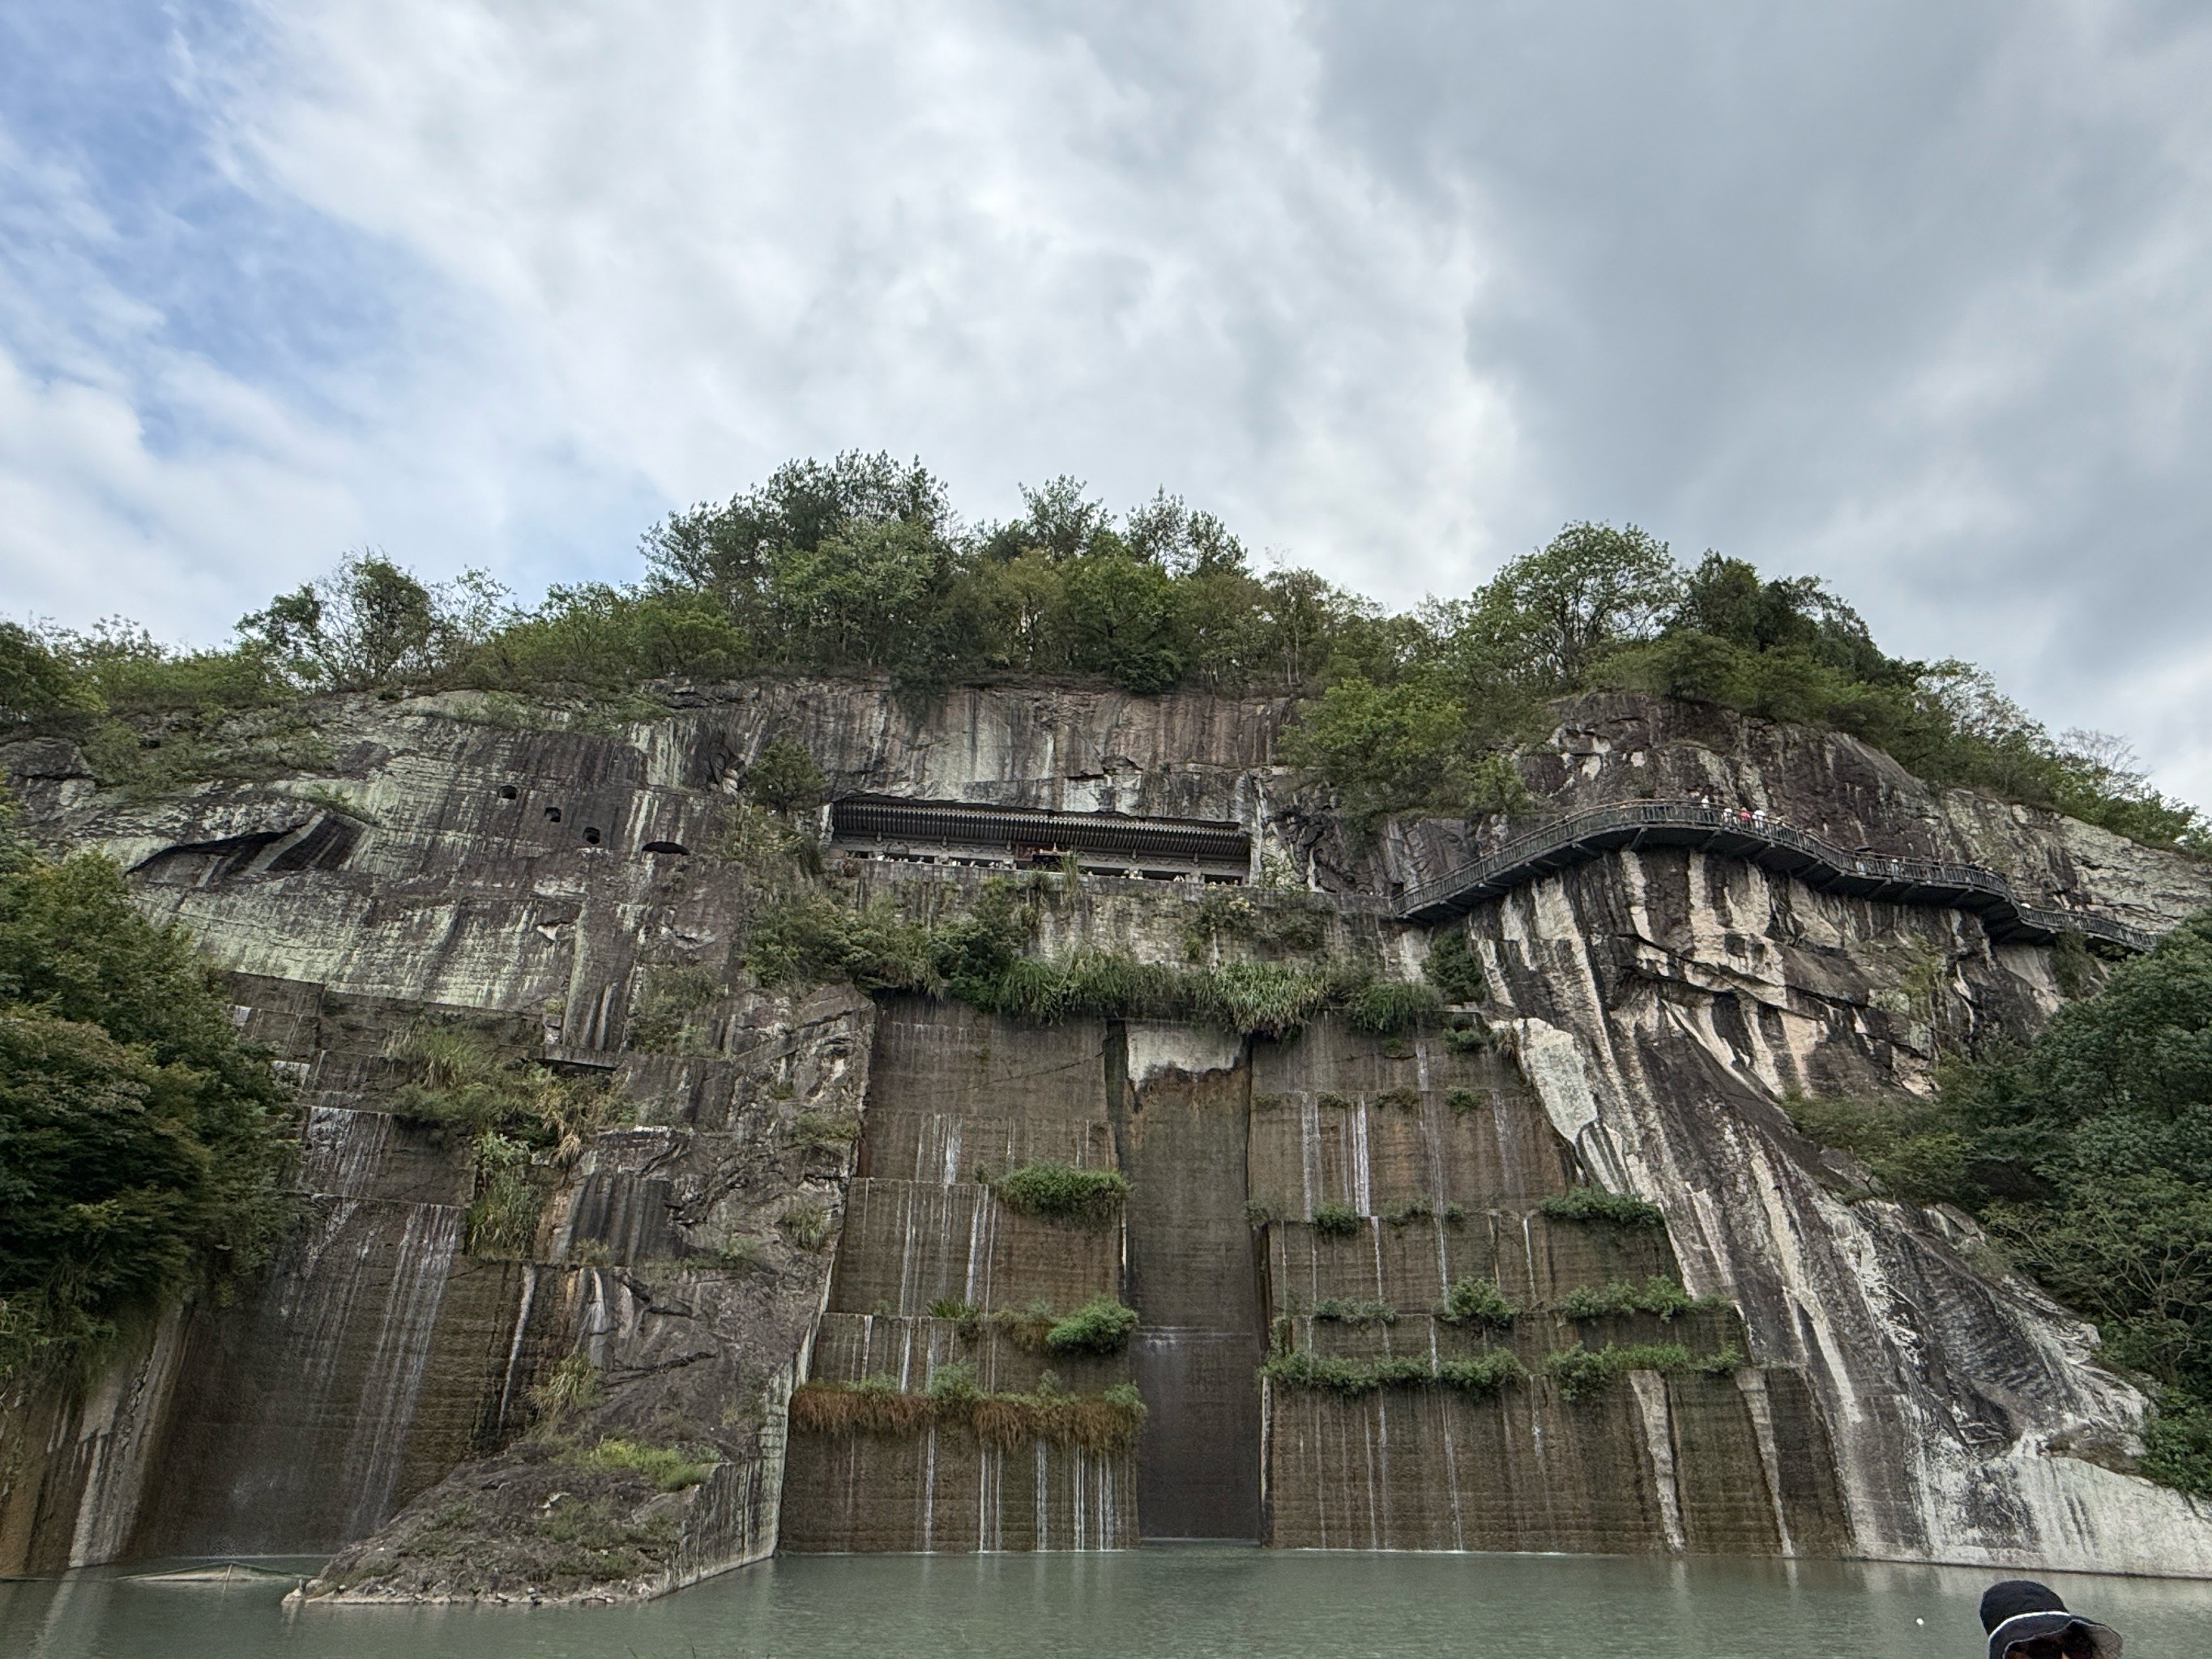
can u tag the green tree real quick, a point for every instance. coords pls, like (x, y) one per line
(785, 778)
(1301, 618)
(143, 1145)
(1167, 532)
(370, 622)
(1126, 621)
(1006, 614)
(126, 670)
(604, 638)
(1563, 606)
(1727, 599)
(33, 681)
(1060, 522)
(1385, 747)
(726, 550)
(852, 599)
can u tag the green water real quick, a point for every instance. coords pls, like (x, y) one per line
(1171, 1602)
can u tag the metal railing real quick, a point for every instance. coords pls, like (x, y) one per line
(1738, 833)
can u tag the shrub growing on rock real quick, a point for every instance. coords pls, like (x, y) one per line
(1655, 1295)
(1453, 968)
(1597, 1206)
(1386, 1007)
(1476, 1302)
(1481, 1375)
(666, 1467)
(1349, 1378)
(1102, 1325)
(784, 777)
(1061, 1191)
(1581, 1372)
(1108, 1421)
(1343, 1311)
(1335, 1220)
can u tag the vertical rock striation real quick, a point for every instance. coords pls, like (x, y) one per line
(604, 1410)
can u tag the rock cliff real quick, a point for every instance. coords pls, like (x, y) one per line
(788, 1193)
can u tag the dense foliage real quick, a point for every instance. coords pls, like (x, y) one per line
(1061, 1191)
(2089, 1157)
(860, 564)
(1602, 608)
(141, 1143)
(1476, 1302)
(1102, 1325)
(1581, 1372)
(525, 1125)
(979, 955)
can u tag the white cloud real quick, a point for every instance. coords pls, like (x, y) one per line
(1914, 300)
(718, 239)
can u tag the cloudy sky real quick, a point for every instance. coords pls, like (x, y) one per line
(1913, 296)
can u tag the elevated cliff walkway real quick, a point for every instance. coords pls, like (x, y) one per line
(1732, 832)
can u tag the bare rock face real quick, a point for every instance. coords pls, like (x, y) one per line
(602, 1411)
(709, 1224)
(1617, 746)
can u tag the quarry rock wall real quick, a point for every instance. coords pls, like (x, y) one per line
(793, 1185)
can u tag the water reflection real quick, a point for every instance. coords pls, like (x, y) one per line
(1193, 1601)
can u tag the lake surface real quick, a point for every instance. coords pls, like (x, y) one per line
(1198, 1600)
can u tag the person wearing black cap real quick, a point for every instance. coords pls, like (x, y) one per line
(2026, 1620)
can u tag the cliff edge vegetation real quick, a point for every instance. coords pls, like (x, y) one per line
(861, 565)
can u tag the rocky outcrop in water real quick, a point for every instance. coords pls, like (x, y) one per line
(792, 1185)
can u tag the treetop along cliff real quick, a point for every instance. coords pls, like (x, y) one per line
(861, 565)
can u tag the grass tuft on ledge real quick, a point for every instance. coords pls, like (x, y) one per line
(1057, 1191)
(1655, 1295)
(1582, 1372)
(1477, 1302)
(1102, 1325)
(1477, 1376)
(1103, 1422)
(1343, 1311)
(1599, 1208)
(980, 958)
(666, 1467)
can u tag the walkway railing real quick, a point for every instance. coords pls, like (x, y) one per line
(1733, 832)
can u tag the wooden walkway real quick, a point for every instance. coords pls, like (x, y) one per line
(1732, 833)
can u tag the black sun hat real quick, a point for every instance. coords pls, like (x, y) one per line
(2019, 1610)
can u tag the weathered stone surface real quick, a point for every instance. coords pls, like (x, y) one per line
(1612, 746)
(948, 1089)
(940, 1490)
(1181, 1123)
(688, 1353)
(1663, 1004)
(461, 860)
